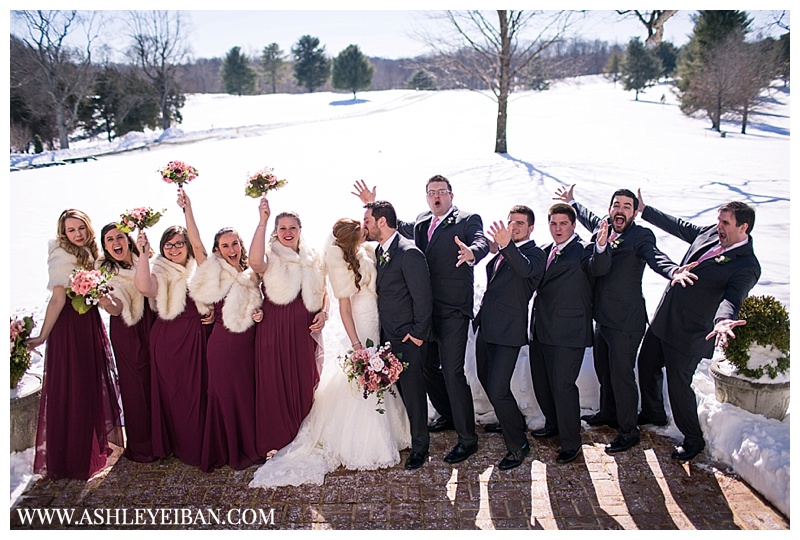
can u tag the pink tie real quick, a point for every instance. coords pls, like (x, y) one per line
(716, 250)
(432, 227)
(498, 262)
(612, 236)
(551, 256)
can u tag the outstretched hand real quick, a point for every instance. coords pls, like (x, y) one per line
(361, 191)
(641, 206)
(724, 329)
(564, 194)
(602, 234)
(683, 276)
(499, 234)
(465, 254)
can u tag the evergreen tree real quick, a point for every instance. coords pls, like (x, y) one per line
(614, 66)
(422, 80)
(311, 66)
(274, 63)
(668, 54)
(641, 67)
(352, 70)
(237, 75)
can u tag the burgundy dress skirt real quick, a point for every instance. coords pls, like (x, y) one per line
(131, 346)
(178, 364)
(229, 436)
(286, 373)
(79, 411)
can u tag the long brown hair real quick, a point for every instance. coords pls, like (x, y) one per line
(225, 230)
(85, 260)
(109, 262)
(347, 234)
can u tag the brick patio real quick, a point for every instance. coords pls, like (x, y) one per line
(639, 489)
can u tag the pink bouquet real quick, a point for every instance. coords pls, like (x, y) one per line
(178, 172)
(375, 369)
(259, 183)
(86, 287)
(20, 357)
(140, 218)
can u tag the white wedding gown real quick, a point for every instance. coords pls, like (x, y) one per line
(343, 428)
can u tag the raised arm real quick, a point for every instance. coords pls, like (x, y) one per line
(257, 255)
(199, 249)
(684, 230)
(143, 279)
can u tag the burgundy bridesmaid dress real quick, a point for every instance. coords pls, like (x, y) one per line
(286, 373)
(79, 414)
(178, 356)
(131, 346)
(230, 426)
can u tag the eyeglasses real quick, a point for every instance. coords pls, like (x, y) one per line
(178, 245)
(440, 192)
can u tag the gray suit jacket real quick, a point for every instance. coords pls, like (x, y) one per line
(685, 316)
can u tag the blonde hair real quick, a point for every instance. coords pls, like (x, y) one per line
(85, 254)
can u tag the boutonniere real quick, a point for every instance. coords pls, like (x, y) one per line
(449, 221)
(722, 259)
(616, 242)
(385, 257)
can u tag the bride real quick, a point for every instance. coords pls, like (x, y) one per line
(343, 428)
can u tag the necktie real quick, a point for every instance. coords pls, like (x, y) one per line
(497, 262)
(713, 252)
(612, 236)
(551, 256)
(379, 253)
(434, 221)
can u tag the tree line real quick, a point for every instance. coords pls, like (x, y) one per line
(60, 92)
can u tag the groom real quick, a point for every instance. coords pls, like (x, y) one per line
(405, 309)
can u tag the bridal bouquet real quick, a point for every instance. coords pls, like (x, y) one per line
(139, 218)
(178, 172)
(375, 369)
(259, 183)
(86, 287)
(20, 357)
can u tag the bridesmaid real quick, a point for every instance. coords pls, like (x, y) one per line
(177, 341)
(288, 342)
(129, 328)
(79, 415)
(226, 281)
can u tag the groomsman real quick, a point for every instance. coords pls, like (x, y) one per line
(453, 242)
(501, 323)
(561, 326)
(725, 268)
(404, 311)
(619, 310)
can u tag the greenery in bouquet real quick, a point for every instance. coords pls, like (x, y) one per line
(86, 287)
(20, 357)
(259, 183)
(762, 345)
(375, 370)
(140, 218)
(178, 172)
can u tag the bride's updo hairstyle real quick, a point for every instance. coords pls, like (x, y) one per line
(347, 235)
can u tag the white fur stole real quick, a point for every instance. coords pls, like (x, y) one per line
(341, 277)
(125, 290)
(215, 280)
(60, 264)
(170, 301)
(289, 273)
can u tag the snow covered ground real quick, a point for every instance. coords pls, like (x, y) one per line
(583, 131)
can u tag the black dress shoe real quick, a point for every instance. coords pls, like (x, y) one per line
(620, 444)
(416, 460)
(440, 424)
(644, 420)
(494, 427)
(565, 456)
(460, 452)
(544, 432)
(514, 458)
(685, 452)
(597, 420)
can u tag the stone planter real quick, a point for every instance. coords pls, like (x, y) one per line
(25, 412)
(768, 399)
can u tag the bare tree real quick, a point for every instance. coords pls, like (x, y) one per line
(159, 46)
(65, 72)
(653, 21)
(495, 53)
